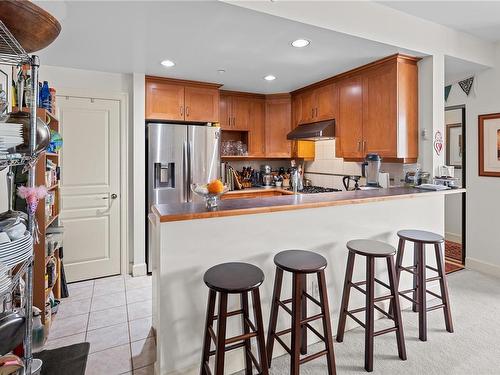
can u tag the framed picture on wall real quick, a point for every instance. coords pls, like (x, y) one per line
(489, 145)
(454, 145)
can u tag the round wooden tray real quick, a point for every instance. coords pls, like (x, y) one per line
(33, 27)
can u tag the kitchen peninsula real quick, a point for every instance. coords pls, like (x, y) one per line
(187, 239)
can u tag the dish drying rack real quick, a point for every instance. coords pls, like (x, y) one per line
(13, 54)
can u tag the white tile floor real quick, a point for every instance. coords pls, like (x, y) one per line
(114, 315)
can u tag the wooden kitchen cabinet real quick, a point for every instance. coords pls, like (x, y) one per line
(300, 149)
(378, 111)
(179, 100)
(201, 104)
(225, 111)
(235, 109)
(317, 104)
(349, 122)
(256, 133)
(278, 125)
(164, 101)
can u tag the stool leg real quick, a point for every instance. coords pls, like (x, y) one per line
(399, 263)
(327, 325)
(422, 292)
(415, 277)
(221, 335)
(296, 328)
(246, 329)
(369, 314)
(444, 287)
(259, 325)
(345, 297)
(303, 340)
(396, 308)
(207, 340)
(278, 280)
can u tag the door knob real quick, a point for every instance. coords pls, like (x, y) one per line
(114, 196)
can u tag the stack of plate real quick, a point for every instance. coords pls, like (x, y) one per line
(4, 279)
(15, 252)
(11, 135)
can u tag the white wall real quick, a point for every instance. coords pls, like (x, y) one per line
(483, 199)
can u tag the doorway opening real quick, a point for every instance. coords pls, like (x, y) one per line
(455, 141)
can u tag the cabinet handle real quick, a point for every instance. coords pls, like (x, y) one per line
(229, 121)
(234, 121)
(187, 111)
(312, 112)
(364, 145)
(316, 111)
(181, 108)
(359, 145)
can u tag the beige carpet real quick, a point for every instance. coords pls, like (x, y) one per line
(474, 348)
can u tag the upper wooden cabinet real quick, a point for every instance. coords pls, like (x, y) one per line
(179, 100)
(256, 133)
(235, 109)
(316, 104)
(378, 111)
(278, 125)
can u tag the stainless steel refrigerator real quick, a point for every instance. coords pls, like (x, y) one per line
(177, 156)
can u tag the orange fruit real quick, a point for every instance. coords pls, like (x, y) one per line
(215, 187)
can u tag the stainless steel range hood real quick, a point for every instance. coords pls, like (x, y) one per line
(314, 131)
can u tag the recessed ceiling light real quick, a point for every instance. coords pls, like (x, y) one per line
(221, 71)
(270, 77)
(168, 63)
(299, 43)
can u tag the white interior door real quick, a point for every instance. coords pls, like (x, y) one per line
(90, 186)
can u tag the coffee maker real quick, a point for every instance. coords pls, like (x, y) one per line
(370, 169)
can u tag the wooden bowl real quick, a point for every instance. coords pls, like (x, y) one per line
(33, 27)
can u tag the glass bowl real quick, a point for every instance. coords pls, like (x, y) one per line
(211, 199)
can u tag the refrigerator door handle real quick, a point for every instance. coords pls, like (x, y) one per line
(190, 164)
(185, 172)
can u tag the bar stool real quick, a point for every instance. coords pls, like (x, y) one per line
(418, 270)
(371, 250)
(225, 279)
(300, 263)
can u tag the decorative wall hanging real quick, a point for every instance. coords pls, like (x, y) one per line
(466, 85)
(447, 90)
(454, 145)
(489, 145)
(438, 143)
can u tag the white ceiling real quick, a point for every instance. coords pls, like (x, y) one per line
(479, 18)
(202, 37)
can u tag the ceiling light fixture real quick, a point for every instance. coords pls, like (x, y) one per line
(299, 43)
(167, 63)
(270, 77)
(221, 71)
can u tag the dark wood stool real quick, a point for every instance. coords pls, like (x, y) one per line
(300, 263)
(371, 250)
(233, 278)
(418, 270)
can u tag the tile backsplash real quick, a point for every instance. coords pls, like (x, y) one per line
(327, 170)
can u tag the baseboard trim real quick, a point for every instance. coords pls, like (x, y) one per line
(453, 237)
(140, 269)
(484, 267)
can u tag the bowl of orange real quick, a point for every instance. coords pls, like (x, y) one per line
(211, 192)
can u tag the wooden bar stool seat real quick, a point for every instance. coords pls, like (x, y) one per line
(301, 263)
(371, 250)
(225, 279)
(419, 268)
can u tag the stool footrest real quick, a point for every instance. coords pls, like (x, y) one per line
(285, 307)
(432, 269)
(409, 269)
(358, 310)
(353, 317)
(231, 313)
(440, 306)
(313, 356)
(434, 294)
(282, 343)
(242, 337)
(408, 298)
(357, 286)
(382, 283)
(311, 318)
(312, 299)
(230, 347)
(435, 278)
(384, 331)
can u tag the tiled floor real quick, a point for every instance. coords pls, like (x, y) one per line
(114, 315)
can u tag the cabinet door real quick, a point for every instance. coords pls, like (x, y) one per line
(164, 101)
(201, 104)
(307, 107)
(278, 125)
(350, 118)
(326, 100)
(256, 134)
(241, 113)
(225, 112)
(380, 111)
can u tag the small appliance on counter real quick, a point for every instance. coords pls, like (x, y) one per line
(267, 177)
(346, 180)
(370, 170)
(414, 176)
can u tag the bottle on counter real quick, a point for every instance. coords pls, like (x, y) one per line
(45, 96)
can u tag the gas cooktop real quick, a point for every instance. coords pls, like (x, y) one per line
(317, 189)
